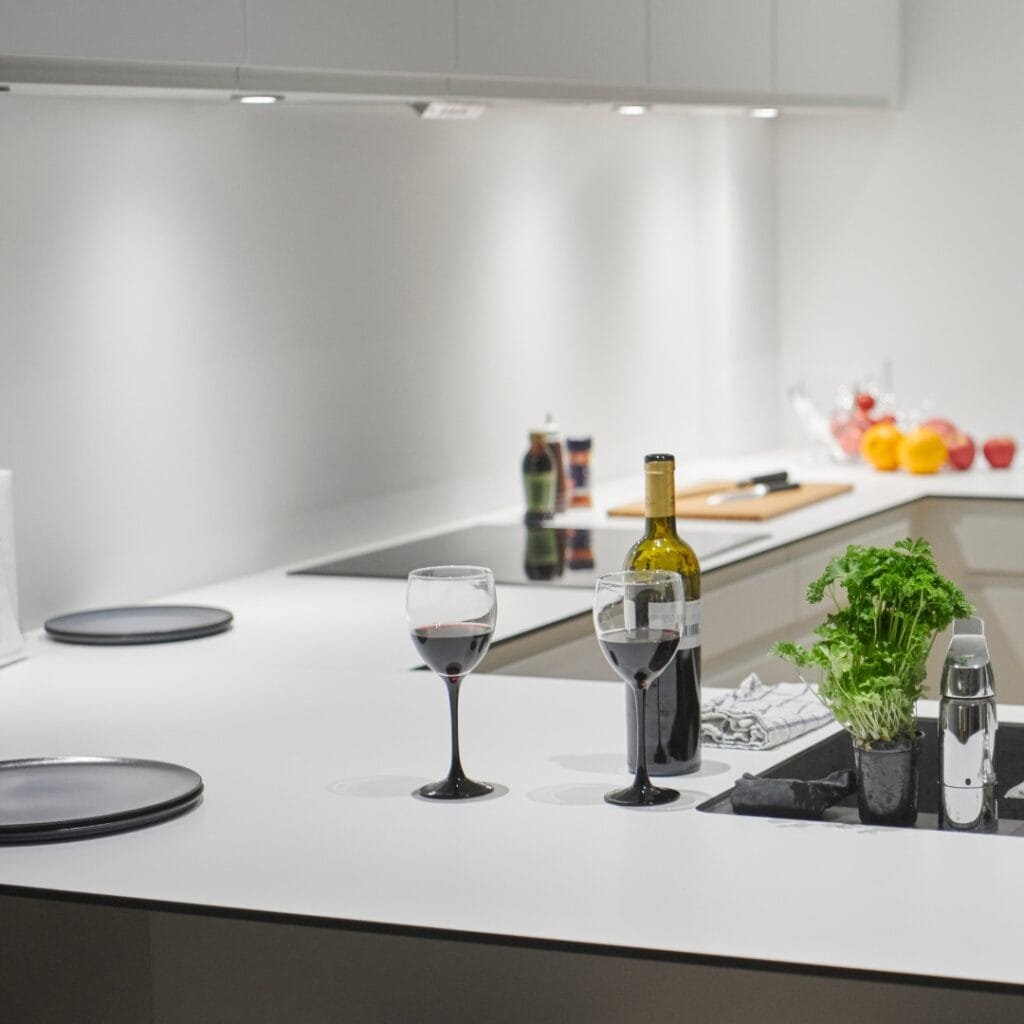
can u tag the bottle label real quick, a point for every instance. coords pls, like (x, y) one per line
(691, 626)
(540, 491)
(644, 614)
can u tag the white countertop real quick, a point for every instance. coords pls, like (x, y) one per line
(311, 734)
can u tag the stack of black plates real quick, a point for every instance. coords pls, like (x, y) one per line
(138, 624)
(45, 799)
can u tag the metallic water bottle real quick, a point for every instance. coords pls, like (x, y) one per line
(967, 733)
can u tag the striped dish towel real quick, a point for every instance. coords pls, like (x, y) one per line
(759, 717)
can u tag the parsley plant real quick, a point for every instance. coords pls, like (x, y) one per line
(871, 650)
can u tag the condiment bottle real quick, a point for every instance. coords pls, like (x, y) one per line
(579, 470)
(539, 480)
(554, 439)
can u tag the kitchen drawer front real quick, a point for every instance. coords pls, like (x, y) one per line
(991, 537)
(811, 563)
(760, 606)
(1002, 603)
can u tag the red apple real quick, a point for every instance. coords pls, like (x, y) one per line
(849, 439)
(944, 428)
(999, 451)
(961, 451)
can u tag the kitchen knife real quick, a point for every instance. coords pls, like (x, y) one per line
(756, 491)
(765, 478)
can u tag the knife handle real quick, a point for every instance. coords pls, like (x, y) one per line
(766, 478)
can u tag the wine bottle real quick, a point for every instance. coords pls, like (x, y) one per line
(673, 701)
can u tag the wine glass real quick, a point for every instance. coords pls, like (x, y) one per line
(638, 616)
(451, 610)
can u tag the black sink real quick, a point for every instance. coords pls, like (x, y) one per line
(835, 752)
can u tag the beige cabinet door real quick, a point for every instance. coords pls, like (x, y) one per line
(201, 31)
(591, 41)
(353, 35)
(712, 47)
(839, 50)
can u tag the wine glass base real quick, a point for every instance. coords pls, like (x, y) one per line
(455, 789)
(641, 796)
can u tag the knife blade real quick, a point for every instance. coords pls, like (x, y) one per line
(755, 491)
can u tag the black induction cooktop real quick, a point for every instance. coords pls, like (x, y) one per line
(519, 554)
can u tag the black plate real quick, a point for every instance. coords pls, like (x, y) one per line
(50, 798)
(138, 624)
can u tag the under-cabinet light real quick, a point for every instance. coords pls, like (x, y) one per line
(632, 109)
(765, 113)
(448, 110)
(258, 98)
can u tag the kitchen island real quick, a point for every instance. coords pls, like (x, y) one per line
(311, 885)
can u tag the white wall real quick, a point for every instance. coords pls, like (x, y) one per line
(232, 338)
(900, 233)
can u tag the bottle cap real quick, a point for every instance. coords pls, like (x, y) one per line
(659, 458)
(537, 436)
(578, 444)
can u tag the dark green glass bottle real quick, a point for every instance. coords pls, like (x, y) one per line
(539, 479)
(673, 701)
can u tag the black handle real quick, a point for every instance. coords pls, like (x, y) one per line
(765, 478)
(780, 485)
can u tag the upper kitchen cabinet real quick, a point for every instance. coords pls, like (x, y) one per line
(713, 48)
(595, 42)
(414, 36)
(756, 52)
(192, 31)
(839, 51)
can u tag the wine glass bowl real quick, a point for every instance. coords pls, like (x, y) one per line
(638, 618)
(451, 611)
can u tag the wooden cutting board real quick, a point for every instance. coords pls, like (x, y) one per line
(691, 502)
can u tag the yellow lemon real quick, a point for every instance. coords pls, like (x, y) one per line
(880, 446)
(922, 451)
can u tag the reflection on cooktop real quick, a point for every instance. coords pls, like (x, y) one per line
(519, 554)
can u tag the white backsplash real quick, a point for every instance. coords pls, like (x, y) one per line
(234, 338)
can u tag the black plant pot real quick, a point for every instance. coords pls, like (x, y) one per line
(887, 781)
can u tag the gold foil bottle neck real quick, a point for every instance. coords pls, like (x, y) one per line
(659, 499)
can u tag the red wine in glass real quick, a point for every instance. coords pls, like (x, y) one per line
(638, 617)
(451, 611)
(640, 655)
(453, 649)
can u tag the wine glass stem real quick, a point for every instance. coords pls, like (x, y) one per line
(455, 772)
(640, 701)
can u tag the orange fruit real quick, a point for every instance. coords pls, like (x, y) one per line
(922, 451)
(880, 446)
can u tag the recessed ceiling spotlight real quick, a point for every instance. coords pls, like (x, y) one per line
(765, 113)
(632, 109)
(261, 98)
(449, 110)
